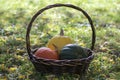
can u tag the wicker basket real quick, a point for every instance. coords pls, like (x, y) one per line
(76, 66)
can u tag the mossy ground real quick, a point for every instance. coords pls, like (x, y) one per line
(15, 16)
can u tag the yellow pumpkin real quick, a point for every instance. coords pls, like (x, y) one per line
(59, 41)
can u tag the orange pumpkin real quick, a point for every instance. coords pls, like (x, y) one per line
(47, 53)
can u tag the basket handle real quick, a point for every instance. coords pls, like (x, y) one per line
(52, 6)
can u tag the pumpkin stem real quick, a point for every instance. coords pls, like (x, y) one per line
(56, 48)
(61, 32)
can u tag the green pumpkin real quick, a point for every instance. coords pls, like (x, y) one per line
(72, 51)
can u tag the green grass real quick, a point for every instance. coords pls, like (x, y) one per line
(15, 16)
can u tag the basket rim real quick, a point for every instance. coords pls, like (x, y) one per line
(89, 58)
(54, 60)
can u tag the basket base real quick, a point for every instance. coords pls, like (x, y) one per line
(58, 70)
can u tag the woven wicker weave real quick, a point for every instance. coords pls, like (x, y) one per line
(76, 66)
